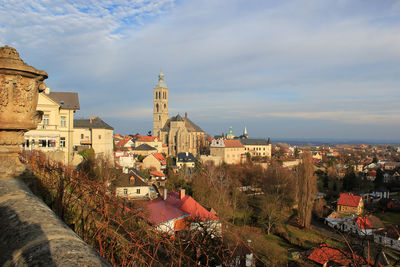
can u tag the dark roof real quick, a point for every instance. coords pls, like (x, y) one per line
(185, 157)
(125, 180)
(67, 100)
(254, 142)
(191, 126)
(144, 147)
(93, 123)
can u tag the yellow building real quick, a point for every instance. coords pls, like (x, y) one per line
(230, 151)
(94, 133)
(257, 147)
(54, 134)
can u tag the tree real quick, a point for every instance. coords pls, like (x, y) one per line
(307, 187)
(349, 179)
(379, 178)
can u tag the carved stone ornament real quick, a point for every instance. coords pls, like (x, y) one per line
(19, 88)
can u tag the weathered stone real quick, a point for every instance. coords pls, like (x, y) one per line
(32, 235)
(19, 88)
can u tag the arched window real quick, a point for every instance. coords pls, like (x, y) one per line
(159, 95)
(157, 107)
(165, 106)
(156, 95)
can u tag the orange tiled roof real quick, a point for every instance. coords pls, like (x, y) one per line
(349, 199)
(157, 173)
(233, 143)
(148, 139)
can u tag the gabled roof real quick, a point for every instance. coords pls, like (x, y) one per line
(124, 141)
(173, 207)
(190, 126)
(159, 156)
(254, 142)
(349, 199)
(369, 222)
(325, 253)
(157, 173)
(144, 147)
(92, 123)
(148, 139)
(185, 157)
(67, 100)
(233, 144)
(132, 179)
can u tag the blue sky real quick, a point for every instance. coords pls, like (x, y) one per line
(285, 69)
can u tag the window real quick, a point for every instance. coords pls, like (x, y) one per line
(62, 141)
(125, 191)
(46, 119)
(51, 143)
(137, 191)
(42, 143)
(81, 136)
(63, 121)
(99, 136)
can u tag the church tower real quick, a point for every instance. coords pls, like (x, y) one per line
(160, 105)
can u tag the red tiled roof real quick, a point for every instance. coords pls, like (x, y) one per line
(148, 139)
(369, 222)
(162, 211)
(173, 207)
(325, 253)
(188, 204)
(233, 143)
(160, 158)
(349, 199)
(124, 141)
(157, 173)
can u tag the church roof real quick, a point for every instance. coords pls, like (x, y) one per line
(190, 126)
(144, 147)
(161, 83)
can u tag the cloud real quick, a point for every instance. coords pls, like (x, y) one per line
(224, 60)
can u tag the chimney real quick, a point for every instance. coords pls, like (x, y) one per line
(165, 193)
(181, 193)
(91, 119)
(185, 115)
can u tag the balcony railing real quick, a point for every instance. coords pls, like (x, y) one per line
(47, 127)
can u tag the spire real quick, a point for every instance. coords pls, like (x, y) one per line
(245, 131)
(161, 83)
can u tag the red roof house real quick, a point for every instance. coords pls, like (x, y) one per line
(177, 211)
(325, 254)
(350, 203)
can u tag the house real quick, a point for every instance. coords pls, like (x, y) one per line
(155, 160)
(127, 143)
(144, 150)
(96, 134)
(230, 151)
(157, 175)
(326, 255)
(366, 225)
(185, 159)
(177, 211)
(257, 147)
(54, 134)
(350, 203)
(151, 141)
(133, 186)
(390, 236)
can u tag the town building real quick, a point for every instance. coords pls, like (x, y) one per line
(257, 147)
(350, 203)
(133, 186)
(54, 134)
(185, 159)
(179, 134)
(96, 134)
(154, 161)
(151, 141)
(230, 151)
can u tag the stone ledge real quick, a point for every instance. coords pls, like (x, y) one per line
(32, 234)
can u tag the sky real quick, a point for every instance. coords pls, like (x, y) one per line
(284, 69)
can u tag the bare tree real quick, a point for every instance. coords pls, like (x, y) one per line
(307, 187)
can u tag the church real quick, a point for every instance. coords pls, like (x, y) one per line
(179, 133)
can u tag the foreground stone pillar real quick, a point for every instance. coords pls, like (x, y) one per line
(19, 88)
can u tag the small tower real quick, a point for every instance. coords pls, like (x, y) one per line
(230, 134)
(160, 105)
(245, 135)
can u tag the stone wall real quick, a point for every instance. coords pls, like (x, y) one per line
(32, 235)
